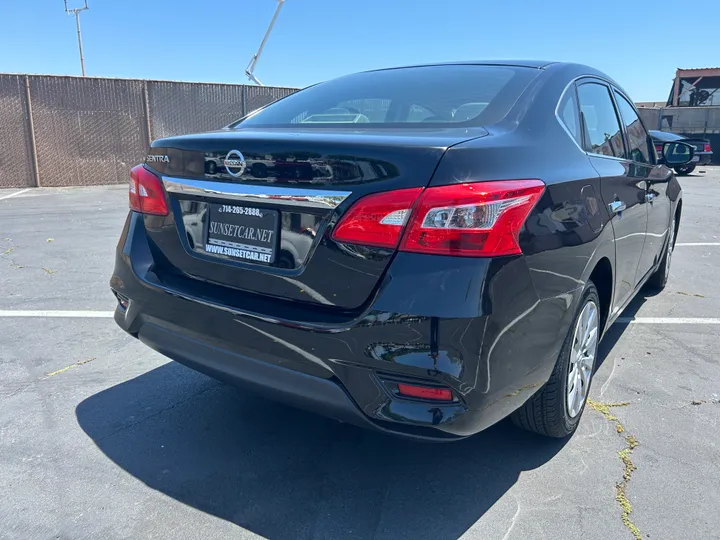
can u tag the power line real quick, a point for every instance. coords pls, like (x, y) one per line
(76, 12)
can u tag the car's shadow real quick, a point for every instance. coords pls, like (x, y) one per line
(285, 474)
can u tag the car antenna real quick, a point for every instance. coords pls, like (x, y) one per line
(249, 71)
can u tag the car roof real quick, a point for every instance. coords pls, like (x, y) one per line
(537, 64)
(569, 68)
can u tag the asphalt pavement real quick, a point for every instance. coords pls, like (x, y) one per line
(100, 437)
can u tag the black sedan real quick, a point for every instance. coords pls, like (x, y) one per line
(477, 229)
(703, 151)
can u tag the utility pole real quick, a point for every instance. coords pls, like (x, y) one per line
(76, 12)
(249, 71)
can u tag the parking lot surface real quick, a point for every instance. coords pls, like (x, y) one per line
(100, 437)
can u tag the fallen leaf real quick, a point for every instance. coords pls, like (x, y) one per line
(49, 270)
(50, 240)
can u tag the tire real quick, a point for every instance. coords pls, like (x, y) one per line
(550, 411)
(684, 170)
(660, 278)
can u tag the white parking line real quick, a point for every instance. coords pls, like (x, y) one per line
(668, 320)
(59, 314)
(14, 194)
(697, 244)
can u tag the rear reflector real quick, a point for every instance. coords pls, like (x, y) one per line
(377, 220)
(425, 392)
(481, 219)
(123, 300)
(706, 147)
(146, 193)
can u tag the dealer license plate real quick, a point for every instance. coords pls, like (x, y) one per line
(242, 232)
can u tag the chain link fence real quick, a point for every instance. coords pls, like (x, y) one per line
(16, 155)
(258, 96)
(75, 131)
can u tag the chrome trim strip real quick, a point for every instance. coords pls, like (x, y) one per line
(307, 198)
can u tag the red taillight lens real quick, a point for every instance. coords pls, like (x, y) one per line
(377, 220)
(659, 149)
(706, 147)
(146, 192)
(425, 392)
(481, 219)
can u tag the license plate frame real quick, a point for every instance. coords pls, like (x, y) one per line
(242, 233)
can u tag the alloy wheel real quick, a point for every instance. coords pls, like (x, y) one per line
(582, 358)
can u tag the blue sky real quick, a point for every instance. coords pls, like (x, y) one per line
(314, 40)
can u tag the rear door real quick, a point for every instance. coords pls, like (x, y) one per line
(639, 147)
(623, 186)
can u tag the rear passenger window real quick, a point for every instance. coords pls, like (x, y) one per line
(602, 128)
(637, 137)
(568, 113)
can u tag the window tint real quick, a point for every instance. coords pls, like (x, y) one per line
(568, 113)
(452, 94)
(637, 137)
(602, 128)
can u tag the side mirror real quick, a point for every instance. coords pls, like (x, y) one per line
(677, 153)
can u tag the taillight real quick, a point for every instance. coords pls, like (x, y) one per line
(706, 147)
(146, 192)
(425, 392)
(659, 149)
(377, 220)
(473, 220)
(480, 219)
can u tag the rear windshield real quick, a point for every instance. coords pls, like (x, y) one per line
(450, 95)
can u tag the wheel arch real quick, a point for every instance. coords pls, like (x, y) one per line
(678, 215)
(602, 277)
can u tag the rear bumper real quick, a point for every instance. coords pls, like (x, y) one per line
(703, 158)
(295, 388)
(344, 365)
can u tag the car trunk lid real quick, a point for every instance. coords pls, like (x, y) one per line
(253, 210)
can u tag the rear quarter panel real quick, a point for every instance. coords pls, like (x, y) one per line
(564, 237)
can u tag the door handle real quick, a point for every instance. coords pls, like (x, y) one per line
(617, 206)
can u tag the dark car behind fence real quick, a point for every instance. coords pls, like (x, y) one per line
(76, 131)
(691, 122)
